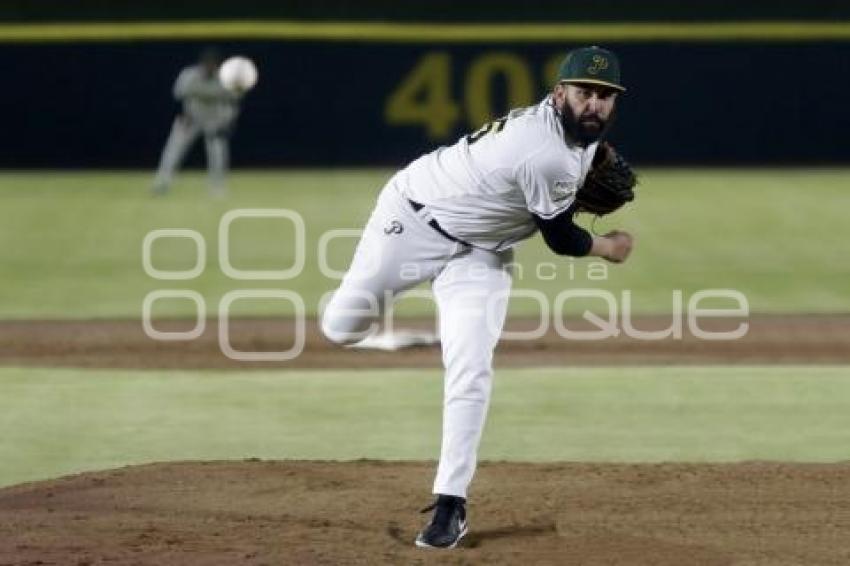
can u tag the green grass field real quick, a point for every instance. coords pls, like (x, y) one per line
(62, 421)
(70, 247)
(70, 243)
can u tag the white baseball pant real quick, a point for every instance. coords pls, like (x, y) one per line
(471, 286)
(183, 134)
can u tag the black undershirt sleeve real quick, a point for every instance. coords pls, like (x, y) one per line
(563, 236)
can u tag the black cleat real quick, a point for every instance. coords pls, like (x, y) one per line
(447, 526)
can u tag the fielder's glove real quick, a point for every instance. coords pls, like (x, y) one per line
(609, 183)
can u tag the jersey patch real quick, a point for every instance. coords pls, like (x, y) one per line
(563, 190)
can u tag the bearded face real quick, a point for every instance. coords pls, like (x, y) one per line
(587, 113)
(586, 128)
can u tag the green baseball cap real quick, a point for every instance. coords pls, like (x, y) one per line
(592, 65)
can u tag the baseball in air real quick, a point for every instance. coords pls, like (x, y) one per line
(238, 74)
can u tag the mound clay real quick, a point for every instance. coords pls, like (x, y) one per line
(366, 512)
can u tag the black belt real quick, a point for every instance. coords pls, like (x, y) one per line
(417, 206)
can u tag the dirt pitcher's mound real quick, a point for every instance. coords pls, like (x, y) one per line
(366, 512)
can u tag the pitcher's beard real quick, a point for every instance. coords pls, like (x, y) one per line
(587, 130)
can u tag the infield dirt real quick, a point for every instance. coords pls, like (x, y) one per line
(779, 339)
(365, 512)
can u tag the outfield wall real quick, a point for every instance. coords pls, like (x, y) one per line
(431, 11)
(98, 95)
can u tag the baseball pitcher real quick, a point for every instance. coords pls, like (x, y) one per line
(210, 110)
(452, 217)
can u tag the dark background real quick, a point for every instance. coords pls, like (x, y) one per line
(434, 10)
(108, 104)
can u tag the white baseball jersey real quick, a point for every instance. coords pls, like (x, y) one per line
(484, 188)
(205, 100)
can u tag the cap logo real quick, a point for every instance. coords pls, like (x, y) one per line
(598, 63)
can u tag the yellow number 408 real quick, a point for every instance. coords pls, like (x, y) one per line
(424, 96)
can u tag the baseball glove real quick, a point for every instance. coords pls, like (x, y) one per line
(609, 183)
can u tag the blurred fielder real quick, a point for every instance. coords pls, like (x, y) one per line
(209, 109)
(453, 216)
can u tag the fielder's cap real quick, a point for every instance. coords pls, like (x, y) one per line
(592, 65)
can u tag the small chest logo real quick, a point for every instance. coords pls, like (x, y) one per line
(562, 190)
(394, 227)
(598, 63)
